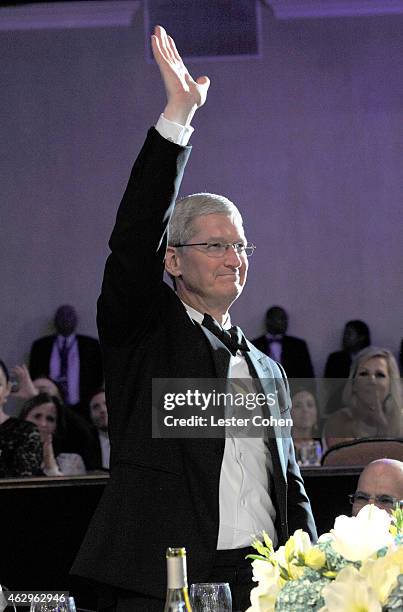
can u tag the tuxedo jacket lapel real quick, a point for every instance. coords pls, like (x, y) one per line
(266, 376)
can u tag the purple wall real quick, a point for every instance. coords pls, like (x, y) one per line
(307, 140)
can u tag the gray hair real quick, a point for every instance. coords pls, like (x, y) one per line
(188, 209)
(393, 401)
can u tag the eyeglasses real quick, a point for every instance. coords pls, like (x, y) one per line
(218, 249)
(383, 501)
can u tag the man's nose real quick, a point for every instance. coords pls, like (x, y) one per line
(232, 257)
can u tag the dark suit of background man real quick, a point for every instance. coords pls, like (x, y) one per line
(356, 336)
(208, 495)
(72, 360)
(292, 353)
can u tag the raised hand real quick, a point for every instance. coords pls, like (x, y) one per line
(26, 388)
(49, 463)
(184, 94)
(376, 414)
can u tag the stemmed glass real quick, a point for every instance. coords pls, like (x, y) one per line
(211, 597)
(63, 606)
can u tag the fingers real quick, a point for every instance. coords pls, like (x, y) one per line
(47, 441)
(201, 85)
(174, 49)
(21, 371)
(204, 81)
(167, 44)
(161, 45)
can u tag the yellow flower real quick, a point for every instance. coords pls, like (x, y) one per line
(381, 574)
(295, 571)
(289, 549)
(261, 548)
(302, 542)
(267, 541)
(315, 558)
(396, 557)
(290, 556)
(350, 592)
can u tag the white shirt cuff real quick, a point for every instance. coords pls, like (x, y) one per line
(179, 134)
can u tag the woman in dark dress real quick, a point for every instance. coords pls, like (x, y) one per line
(20, 442)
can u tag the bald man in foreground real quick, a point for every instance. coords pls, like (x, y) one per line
(380, 483)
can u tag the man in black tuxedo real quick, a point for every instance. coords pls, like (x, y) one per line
(292, 353)
(209, 494)
(74, 361)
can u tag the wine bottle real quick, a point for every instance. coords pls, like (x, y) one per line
(177, 599)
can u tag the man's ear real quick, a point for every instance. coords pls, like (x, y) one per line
(173, 262)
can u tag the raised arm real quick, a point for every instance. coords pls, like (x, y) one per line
(134, 271)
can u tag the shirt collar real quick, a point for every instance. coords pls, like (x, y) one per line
(275, 337)
(199, 316)
(70, 339)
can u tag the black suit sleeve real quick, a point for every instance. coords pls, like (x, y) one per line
(298, 506)
(134, 270)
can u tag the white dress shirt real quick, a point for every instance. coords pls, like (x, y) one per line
(246, 508)
(105, 448)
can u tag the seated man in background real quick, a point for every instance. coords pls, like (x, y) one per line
(99, 419)
(72, 360)
(291, 352)
(380, 483)
(356, 336)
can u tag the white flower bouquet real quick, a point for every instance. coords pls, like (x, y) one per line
(357, 567)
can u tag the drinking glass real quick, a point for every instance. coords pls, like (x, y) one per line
(211, 597)
(310, 453)
(64, 606)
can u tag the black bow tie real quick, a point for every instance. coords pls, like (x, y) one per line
(233, 338)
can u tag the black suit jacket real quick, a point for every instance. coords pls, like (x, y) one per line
(162, 492)
(338, 365)
(91, 371)
(295, 357)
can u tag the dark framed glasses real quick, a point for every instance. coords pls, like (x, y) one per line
(387, 502)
